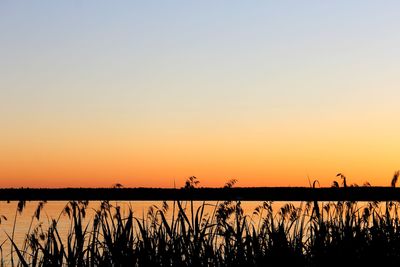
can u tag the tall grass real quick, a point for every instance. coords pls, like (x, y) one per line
(340, 233)
(312, 234)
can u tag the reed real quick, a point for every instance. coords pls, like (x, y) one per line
(340, 233)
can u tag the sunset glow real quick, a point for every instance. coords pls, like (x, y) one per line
(146, 94)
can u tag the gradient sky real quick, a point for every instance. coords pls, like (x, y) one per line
(145, 93)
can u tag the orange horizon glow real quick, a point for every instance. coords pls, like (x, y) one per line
(146, 95)
(287, 157)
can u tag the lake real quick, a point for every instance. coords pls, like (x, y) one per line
(54, 210)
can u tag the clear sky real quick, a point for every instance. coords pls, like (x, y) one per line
(146, 93)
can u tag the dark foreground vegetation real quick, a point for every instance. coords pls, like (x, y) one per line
(313, 234)
(340, 233)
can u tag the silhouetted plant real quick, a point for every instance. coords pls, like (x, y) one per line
(191, 182)
(341, 233)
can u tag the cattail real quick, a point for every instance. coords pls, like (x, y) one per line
(394, 179)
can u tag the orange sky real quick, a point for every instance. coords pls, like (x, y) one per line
(270, 94)
(277, 155)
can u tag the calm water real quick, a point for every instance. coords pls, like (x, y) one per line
(53, 210)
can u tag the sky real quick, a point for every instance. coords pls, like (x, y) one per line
(148, 93)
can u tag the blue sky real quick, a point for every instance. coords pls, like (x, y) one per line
(179, 69)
